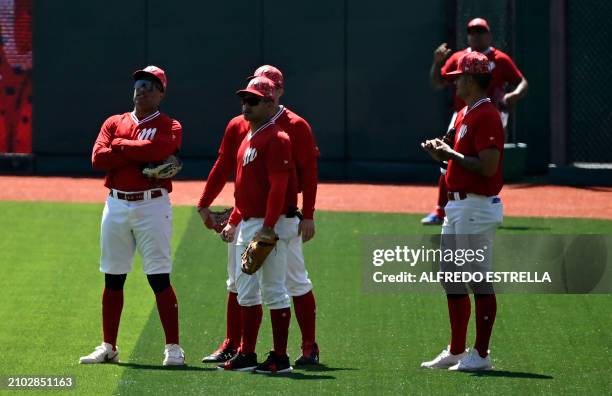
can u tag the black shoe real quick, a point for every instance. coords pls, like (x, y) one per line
(223, 354)
(240, 362)
(274, 364)
(309, 360)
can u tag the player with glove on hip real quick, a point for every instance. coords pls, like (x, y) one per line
(299, 286)
(265, 190)
(138, 213)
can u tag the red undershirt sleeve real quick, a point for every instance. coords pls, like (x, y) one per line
(103, 157)
(218, 176)
(276, 197)
(235, 217)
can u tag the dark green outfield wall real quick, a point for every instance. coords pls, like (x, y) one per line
(356, 70)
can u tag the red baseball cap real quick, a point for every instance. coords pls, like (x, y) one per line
(154, 71)
(478, 22)
(270, 72)
(471, 63)
(259, 86)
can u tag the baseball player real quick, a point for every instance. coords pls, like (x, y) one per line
(299, 286)
(474, 211)
(266, 189)
(504, 73)
(138, 213)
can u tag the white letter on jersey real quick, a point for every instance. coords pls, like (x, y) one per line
(249, 156)
(147, 134)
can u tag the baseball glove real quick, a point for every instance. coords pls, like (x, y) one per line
(258, 250)
(217, 220)
(449, 138)
(166, 169)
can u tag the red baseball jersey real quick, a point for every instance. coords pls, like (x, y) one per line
(503, 71)
(261, 153)
(477, 129)
(125, 144)
(304, 153)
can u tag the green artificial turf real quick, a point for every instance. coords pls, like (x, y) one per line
(50, 291)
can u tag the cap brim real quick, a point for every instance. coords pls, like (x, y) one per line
(140, 73)
(452, 75)
(243, 92)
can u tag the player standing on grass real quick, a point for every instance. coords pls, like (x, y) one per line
(265, 190)
(138, 213)
(504, 73)
(299, 286)
(474, 210)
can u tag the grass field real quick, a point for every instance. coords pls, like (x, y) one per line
(50, 290)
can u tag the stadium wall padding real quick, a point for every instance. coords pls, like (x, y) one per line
(357, 71)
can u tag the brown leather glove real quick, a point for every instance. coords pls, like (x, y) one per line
(258, 250)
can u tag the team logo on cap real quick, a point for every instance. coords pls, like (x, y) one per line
(270, 72)
(262, 85)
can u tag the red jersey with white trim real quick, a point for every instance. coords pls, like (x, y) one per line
(304, 153)
(477, 129)
(266, 151)
(125, 144)
(503, 71)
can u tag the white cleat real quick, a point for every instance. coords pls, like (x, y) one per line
(473, 362)
(174, 355)
(444, 360)
(102, 354)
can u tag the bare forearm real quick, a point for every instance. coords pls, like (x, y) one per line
(437, 81)
(521, 89)
(473, 164)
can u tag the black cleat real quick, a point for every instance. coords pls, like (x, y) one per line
(274, 364)
(240, 362)
(223, 354)
(309, 360)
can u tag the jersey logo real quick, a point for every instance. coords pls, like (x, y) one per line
(249, 156)
(147, 134)
(462, 131)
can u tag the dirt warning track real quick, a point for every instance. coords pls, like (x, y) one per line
(519, 200)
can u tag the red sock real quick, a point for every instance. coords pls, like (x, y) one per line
(280, 329)
(486, 309)
(167, 307)
(112, 305)
(305, 312)
(442, 196)
(251, 321)
(233, 325)
(459, 313)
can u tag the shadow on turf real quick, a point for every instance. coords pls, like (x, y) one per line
(524, 228)
(322, 368)
(165, 368)
(300, 373)
(508, 374)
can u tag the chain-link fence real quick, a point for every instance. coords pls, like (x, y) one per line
(590, 82)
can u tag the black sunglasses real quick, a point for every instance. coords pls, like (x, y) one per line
(147, 85)
(251, 100)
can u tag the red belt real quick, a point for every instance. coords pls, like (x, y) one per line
(456, 196)
(137, 196)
